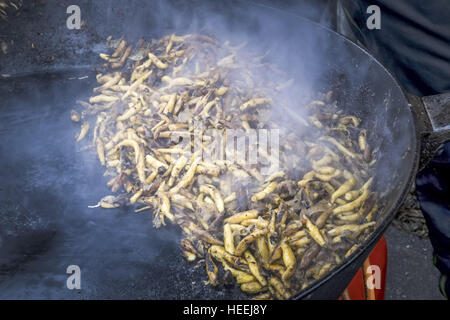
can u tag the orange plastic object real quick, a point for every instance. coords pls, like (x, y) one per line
(358, 288)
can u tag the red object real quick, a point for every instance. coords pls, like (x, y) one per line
(374, 266)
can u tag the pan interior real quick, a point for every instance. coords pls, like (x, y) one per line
(47, 183)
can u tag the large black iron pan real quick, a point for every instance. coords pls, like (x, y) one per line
(46, 185)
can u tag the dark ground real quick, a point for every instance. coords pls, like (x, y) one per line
(411, 274)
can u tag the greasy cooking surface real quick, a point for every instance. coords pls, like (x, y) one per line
(50, 185)
(277, 216)
(46, 226)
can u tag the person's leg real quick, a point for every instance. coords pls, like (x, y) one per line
(433, 193)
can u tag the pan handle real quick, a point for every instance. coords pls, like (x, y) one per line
(432, 115)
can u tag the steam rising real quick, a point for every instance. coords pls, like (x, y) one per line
(57, 183)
